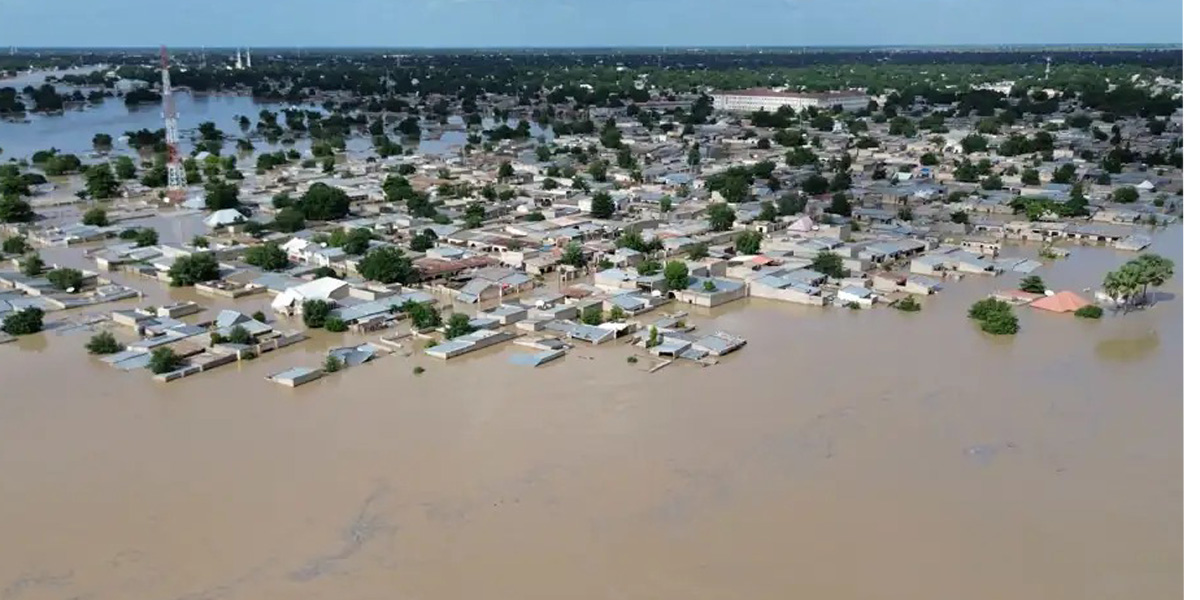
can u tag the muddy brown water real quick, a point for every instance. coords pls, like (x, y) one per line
(868, 454)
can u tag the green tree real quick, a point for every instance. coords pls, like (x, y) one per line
(103, 343)
(768, 212)
(68, 280)
(95, 216)
(906, 304)
(505, 171)
(190, 270)
(960, 217)
(829, 264)
(748, 242)
(603, 206)
(219, 195)
(791, 203)
(677, 275)
(333, 364)
(145, 236)
(905, 214)
(1090, 311)
(16, 245)
(423, 241)
(324, 203)
(458, 325)
(649, 267)
(15, 210)
(23, 322)
(1125, 195)
(616, 314)
(199, 241)
(423, 316)
(592, 315)
(573, 255)
(269, 257)
(929, 159)
(994, 317)
(164, 360)
(973, 143)
(721, 217)
(32, 265)
(387, 264)
(697, 252)
(1033, 284)
(664, 204)
(100, 182)
(102, 141)
(652, 340)
(815, 185)
(315, 312)
(335, 325)
(840, 205)
(289, 220)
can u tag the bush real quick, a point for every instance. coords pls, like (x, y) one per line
(592, 315)
(332, 364)
(164, 360)
(1033, 285)
(66, 279)
(103, 343)
(417, 370)
(631, 360)
(335, 325)
(649, 267)
(23, 322)
(239, 335)
(16, 245)
(907, 304)
(190, 270)
(829, 264)
(994, 317)
(1090, 311)
(387, 265)
(677, 275)
(32, 265)
(457, 325)
(315, 312)
(95, 216)
(259, 316)
(269, 257)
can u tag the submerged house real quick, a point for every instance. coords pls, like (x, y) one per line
(329, 289)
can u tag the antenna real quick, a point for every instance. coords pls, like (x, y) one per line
(176, 181)
(1047, 77)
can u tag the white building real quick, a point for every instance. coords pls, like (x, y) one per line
(770, 100)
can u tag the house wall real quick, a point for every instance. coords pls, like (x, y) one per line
(786, 295)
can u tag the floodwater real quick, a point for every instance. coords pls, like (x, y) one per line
(851, 455)
(72, 130)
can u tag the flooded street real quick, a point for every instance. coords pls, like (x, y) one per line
(841, 454)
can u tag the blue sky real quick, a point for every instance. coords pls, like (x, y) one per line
(474, 23)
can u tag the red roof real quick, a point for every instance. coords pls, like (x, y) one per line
(1061, 302)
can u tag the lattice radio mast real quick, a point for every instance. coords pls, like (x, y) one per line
(176, 181)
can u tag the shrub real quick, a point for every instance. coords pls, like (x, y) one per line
(631, 360)
(1033, 285)
(335, 325)
(164, 360)
(417, 370)
(457, 325)
(907, 304)
(95, 216)
(709, 286)
(1090, 311)
(16, 245)
(315, 312)
(23, 322)
(677, 275)
(592, 315)
(994, 317)
(332, 364)
(103, 343)
(269, 257)
(239, 335)
(190, 270)
(66, 279)
(32, 266)
(259, 316)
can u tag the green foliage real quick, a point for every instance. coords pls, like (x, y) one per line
(1125, 195)
(697, 252)
(959, 216)
(815, 185)
(220, 195)
(289, 220)
(197, 268)
(907, 304)
(929, 159)
(102, 343)
(239, 335)
(649, 267)
(32, 265)
(677, 275)
(324, 203)
(616, 314)
(994, 316)
(974, 143)
(829, 264)
(423, 240)
(15, 245)
(768, 212)
(66, 279)
(387, 264)
(15, 210)
(573, 255)
(458, 325)
(335, 325)
(748, 242)
(721, 217)
(100, 182)
(709, 286)
(592, 315)
(652, 340)
(315, 312)
(164, 360)
(23, 322)
(791, 203)
(840, 205)
(1090, 311)
(603, 206)
(199, 241)
(1033, 284)
(1133, 280)
(423, 316)
(356, 241)
(95, 216)
(269, 257)
(332, 364)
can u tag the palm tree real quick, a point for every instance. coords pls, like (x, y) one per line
(1120, 285)
(1153, 270)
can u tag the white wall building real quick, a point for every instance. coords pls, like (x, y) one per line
(770, 100)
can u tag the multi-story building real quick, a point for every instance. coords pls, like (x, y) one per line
(770, 100)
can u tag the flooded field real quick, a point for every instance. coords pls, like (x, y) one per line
(841, 454)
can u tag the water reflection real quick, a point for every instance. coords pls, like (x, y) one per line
(1128, 349)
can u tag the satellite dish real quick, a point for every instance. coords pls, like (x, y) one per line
(416, 81)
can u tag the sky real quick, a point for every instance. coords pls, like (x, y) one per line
(567, 23)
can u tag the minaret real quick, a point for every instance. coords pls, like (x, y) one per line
(247, 58)
(238, 51)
